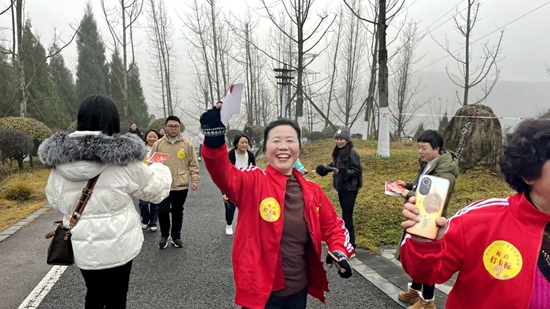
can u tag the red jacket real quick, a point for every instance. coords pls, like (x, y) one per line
(260, 198)
(494, 245)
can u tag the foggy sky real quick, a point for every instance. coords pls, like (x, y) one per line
(525, 46)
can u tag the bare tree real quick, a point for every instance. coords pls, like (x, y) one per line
(472, 76)
(159, 33)
(404, 88)
(384, 7)
(299, 12)
(124, 14)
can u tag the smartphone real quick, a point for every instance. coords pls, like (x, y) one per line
(431, 194)
(336, 260)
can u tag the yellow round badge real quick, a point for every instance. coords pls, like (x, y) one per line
(502, 260)
(181, 154)
(270, 210)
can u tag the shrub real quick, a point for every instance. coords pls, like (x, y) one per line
(258, 132)
(305, 132)
(357, 136)
(230, 136)
(124, 127)
(316, 136)
(34, 129)
(18, 192)
(16, 145)
(157, 124)
(329, 131)
(72, 126)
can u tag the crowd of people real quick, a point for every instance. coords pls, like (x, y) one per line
(500, 246)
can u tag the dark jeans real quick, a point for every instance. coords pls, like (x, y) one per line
(427, 290)
(173, 204)
(347, 202)
(229, 212)
(107, 288)
(200, 150)
(294, 301)
(149, 213)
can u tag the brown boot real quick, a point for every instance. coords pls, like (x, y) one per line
(410, 296)
(424, 304)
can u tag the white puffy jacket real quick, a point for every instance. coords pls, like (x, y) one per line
(108, 233)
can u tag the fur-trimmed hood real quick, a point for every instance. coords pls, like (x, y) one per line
(62, 148)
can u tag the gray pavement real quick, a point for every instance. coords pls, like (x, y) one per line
(196, 276)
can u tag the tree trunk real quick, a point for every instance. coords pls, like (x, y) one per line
(384, 130)
(20, 66)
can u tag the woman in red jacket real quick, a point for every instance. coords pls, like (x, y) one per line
(282, 220)
(500, 246)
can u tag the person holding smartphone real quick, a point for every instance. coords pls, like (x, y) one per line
(435, 161)
(500, 246)
(347, 177)
(283, 220)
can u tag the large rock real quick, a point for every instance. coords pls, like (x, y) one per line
(474, 136)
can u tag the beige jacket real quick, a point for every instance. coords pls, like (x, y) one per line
(182, 161)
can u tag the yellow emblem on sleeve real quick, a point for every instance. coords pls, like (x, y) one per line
(181, 154)
(270, 210)
(502, 260)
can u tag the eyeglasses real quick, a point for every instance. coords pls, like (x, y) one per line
(171, 127)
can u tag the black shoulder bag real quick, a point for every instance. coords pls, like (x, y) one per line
(60, 251)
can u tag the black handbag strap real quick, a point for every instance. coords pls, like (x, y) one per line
(81, 204)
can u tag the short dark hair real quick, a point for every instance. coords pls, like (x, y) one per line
(172, 117)
(238, 138)
(433, 137)
(282, 122)
(147, 133)
(526, 151)
(98, 113)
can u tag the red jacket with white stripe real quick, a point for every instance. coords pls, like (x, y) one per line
(494, 244)
(260, 198)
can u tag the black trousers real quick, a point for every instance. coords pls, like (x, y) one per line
(427, 290)
(107, 288)
(173, 204)
(229, 212)
(294, 301)
(347, 202)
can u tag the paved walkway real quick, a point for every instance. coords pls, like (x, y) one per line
(25, 279)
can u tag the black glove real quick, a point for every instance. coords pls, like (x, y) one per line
(321, 170)
(341, 263)
(213, 128)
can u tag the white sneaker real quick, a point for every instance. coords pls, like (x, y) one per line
(228, 230)
(199, 158)
(144, 226)
(153, 228)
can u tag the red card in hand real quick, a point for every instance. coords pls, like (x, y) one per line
(159, 157)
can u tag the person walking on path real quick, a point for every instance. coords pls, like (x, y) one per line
(435, 161)
(250, 133)
(149, 215)
(182, 161)
(499, 246)
(108, 236)
(241, 157)
(347, 176)
(283, 220)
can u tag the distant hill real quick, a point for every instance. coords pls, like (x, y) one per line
(508, 98)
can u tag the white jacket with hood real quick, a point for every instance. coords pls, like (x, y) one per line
(109, 231)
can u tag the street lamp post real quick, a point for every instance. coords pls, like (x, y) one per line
(285, 85)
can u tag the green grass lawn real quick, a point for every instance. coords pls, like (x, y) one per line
(377, 216)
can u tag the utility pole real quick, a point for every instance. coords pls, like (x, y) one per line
(384, 111)
(285, 85)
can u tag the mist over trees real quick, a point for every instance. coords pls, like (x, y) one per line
(353, 64)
